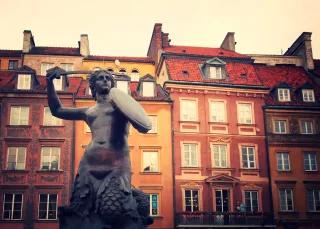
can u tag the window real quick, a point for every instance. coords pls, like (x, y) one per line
(49, 119)
(308, 95)
(154, 123)
(217, 111)
(154, 204)
(13, 64)
(280, 126)
(110, 70)
(188, 110)
(313, 198)
(190, 155)
(286, 199)
(96, 69)
(191, 200)
(219, 155)
(58, 83)
(123, 86)
(306, 127)
(251, 201)
(310, 162)
(216, 73)
(12, 206)
(122, 71)
(148, 89)
(24, 82)
(150, 161)
(45, 67)
(50, 157)
(283, 161)
(48, 206)
(67, 66)
(135, 75)
(245, 113)
(19, 115)
(248, 157)
(283, 95)
(16, 158)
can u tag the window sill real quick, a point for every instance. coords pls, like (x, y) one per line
(18, 126)
(284, 171)
(221, 168)
(12, 220)
(58, 126)
(279, 133)
(249, 169)
(150, 173)
(311, 171)
(288, 213)
(190, 168)
(313, 213)
(187, 121)
(15, 171)
(46, 220)
(218, 123)
(246, 124)
(49, 171)
(156, 216)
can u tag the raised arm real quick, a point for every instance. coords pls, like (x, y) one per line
(54, 102)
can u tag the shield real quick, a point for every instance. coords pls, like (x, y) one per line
(131, 109)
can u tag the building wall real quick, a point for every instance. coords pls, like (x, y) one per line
(4, 62)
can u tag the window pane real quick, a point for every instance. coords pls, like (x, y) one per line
(188, 110)
(150, 161)
(148, 89)
(123, 86)
(217, 111)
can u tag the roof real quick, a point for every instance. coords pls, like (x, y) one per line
(60, 51)
(121, 58)
(10, 53)
(317, 66)
(188, 69)
(293, 76)
(203, 51)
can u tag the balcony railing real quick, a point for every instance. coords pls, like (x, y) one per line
(224, 218)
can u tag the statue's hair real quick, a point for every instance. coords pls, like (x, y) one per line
(93, 77)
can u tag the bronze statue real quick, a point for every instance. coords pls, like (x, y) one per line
(102, 196)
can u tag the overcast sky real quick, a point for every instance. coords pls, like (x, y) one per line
(124, 27)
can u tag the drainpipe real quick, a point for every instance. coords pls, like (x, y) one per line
(173, 168)
(268, 162)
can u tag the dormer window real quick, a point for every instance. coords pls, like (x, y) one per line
(216, 73)
(135, 75)
(58, 83)
(283, 94)
(24, 82)
(148, 89)
(308, 95)
(123, 86)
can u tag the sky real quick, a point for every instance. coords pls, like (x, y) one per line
(124, 27)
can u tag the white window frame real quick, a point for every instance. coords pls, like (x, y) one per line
(288, 195)
(251, 200)
(213, 159)
(24, 82)
(221, 115)
(284, 95)
(148, 89)
(16, 149)
(243, 115)
(190, 163)
(304, 129)
(215, 72)
(154, 167)
(12, 206)
(154, 123)
(135, 76)
(248, 159)
(49, 119)
(67, 66)
(20, 120)
(123, 86)
(150, 203)
(308, 95)
(185, 114)
(307, 158)
(281, 159)
(46, 66)
(50, 162)
(58, 83)
(277, 123)
(47, 210)
(315, 200)
(191, 199)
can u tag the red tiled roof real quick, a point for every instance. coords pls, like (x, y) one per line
(10, 53)
(63, 51)
(188, 69)
(203, 51)
(121, 58)
(295, 77)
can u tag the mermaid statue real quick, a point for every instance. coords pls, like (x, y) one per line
(102, 195)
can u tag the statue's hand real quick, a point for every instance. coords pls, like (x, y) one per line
(54, 73)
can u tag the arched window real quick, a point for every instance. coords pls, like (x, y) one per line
(110, 69)
(122, 71)
(135, 75)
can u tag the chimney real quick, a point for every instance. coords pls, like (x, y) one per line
(84, 45)
(28, 41)
(165, 40)
(228, 42)
(155, 42)
(302, 47)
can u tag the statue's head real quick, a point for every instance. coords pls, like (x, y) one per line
(95, 76)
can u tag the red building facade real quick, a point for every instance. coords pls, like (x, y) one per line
(36, 152)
